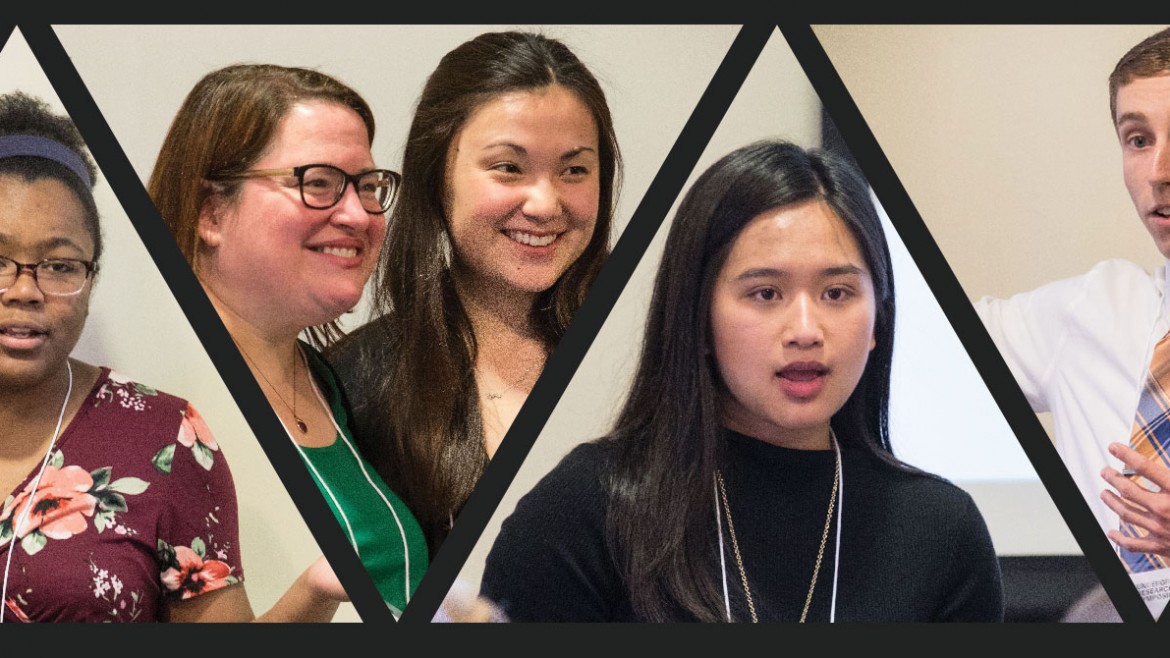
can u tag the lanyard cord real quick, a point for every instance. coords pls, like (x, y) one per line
(722, 558)
(32, 493)
(836, 553)
(837, 550)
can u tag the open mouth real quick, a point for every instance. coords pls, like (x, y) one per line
(22, 337)
(532, 239)
(21, 332)
(802, 380)
(802, 372)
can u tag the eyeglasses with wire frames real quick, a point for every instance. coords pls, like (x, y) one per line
(60, 277)
(322, 185)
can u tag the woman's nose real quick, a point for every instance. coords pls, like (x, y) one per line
(350, 212)
(24, 287)
(802, 326)
(543, 201)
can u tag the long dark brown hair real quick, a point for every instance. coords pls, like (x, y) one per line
(427, 439)
(668, 437)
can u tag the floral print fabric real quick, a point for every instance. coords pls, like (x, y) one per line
(136, 507)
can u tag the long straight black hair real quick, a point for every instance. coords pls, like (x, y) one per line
(668, 436)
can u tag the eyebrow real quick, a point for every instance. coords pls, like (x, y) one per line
(1131, 116)
(51, 243)
(520, 150)
(771, 272)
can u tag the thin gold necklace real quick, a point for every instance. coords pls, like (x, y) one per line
(496, 395)
(301, 424)
(820, 552)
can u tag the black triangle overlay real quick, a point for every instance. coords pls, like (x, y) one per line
(966, 324)
(206, 323)
(587, 321)
(5, 34)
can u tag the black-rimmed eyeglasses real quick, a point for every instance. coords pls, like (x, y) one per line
(322, 185)
(54, 276)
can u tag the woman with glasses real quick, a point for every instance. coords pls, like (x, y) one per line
(118, 504)
(267, 181)
(510, 174)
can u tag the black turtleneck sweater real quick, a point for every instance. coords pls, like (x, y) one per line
(913, 546)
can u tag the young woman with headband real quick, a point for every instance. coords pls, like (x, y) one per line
(119, 505)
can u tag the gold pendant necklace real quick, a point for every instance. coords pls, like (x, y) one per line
(301, 424)
(820, 552)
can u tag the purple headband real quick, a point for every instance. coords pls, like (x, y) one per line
(43, 147)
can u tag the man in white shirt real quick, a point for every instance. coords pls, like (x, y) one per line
(1080, 348)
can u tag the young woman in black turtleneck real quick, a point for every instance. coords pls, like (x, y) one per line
(749, 476)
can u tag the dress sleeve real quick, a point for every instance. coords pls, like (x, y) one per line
(549, 562)
(198, 534)
(975, 588)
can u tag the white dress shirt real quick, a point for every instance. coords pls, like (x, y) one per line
(1080, 348)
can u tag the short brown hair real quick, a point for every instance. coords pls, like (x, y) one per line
(1149, 58)
(223, 127)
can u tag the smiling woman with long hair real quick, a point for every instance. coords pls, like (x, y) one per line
(509, 181)
(750, 475)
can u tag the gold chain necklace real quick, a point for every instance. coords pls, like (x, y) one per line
(301, 425)
(496, 395)
(820, 552)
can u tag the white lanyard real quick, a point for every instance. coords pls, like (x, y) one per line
(837, 550)
(16, 528)
(361, 465)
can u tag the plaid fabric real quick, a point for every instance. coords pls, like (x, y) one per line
(1151, 438)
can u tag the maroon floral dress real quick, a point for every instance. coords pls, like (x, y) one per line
(136, 508)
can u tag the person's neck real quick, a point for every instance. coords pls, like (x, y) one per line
(267, 346)
(805, 438)
(509, 355)
(28, 413)
(500, 318)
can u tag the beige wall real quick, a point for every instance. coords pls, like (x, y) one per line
(1002, 137)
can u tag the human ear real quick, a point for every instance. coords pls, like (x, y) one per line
(210, 226)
